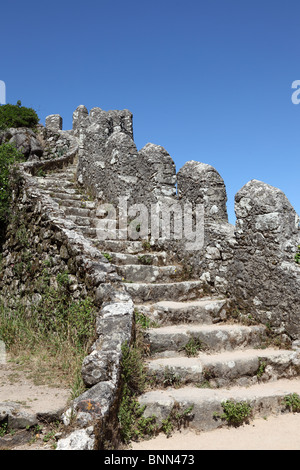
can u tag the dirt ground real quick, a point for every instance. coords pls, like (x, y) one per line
(280, 432)
(17, 386)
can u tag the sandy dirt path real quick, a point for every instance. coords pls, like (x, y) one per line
(280, 432)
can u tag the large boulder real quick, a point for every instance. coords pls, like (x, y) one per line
(25, 140)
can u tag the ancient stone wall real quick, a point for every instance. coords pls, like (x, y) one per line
(110, 165)
(200, 184)
(265, 278)
(41, 240)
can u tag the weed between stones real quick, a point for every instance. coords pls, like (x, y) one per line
(235, 413)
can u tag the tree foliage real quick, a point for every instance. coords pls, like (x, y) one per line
(15, 115)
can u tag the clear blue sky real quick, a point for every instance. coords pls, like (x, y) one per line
(208, 80)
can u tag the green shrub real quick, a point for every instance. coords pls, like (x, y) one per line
(292, 402)
(15, 115)
(236, 413)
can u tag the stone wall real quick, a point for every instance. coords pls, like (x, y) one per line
(265, 279)
(110, 165)
(40, 238)
(201, 184)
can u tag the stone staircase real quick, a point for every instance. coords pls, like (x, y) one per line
(198, 356)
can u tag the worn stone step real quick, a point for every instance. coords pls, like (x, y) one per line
(204, 405)
(241, 367)
(54, 182)
(142, 273)
(102, 235)
(179, 291)
(82, 212)
(152, 259)
(217, 337)
(89, 232)
(82, 221)
(207, 310)
(118, 246)
(68, 172)
(69, 194)
(76, 203)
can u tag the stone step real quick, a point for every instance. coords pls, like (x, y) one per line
(173, 339)
(82, 212)
(65, 194)
(88, 232)
(241, 367)
(207, 310)
(102, 234)
(204, 405)
(138, 273)
(68, 172)
(75, 203)
(54, 182)
(151, 259)
(82, 221)
(63, 176)
(119, 246)
(179, 291)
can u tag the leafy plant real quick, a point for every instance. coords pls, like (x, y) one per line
(146, 245)
(144, 321)
(297, 255)
(145, 260)
(107, 256)
(292, 401)
(3, 429)
(171, 379)
(235, 413)
(193, 346)
(261, 368)
(63, 278)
